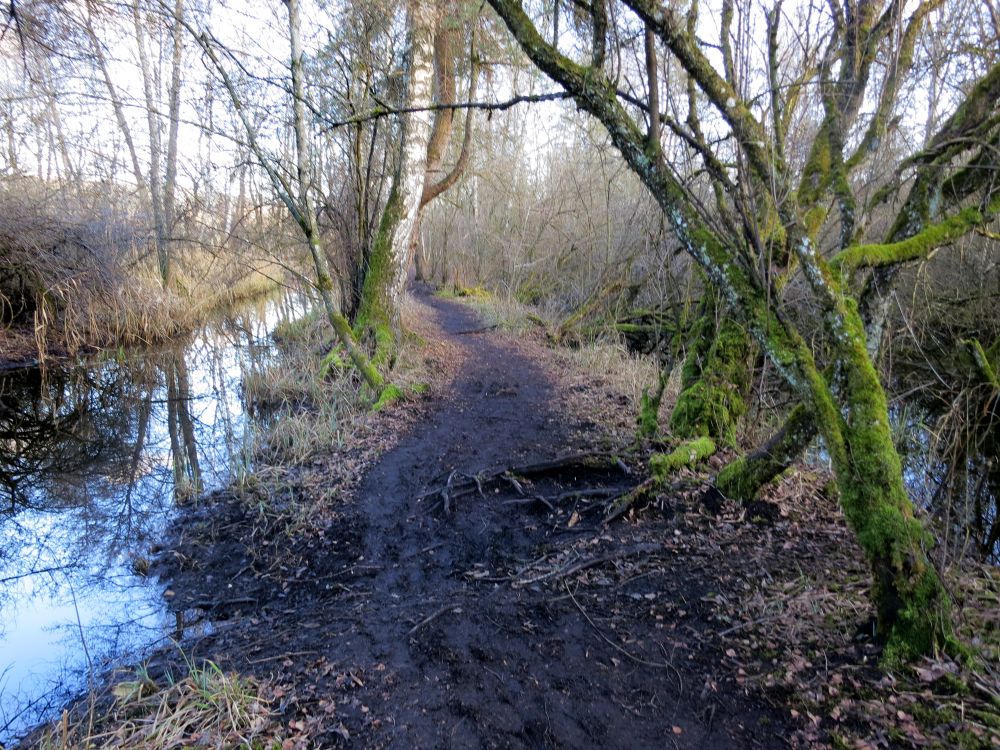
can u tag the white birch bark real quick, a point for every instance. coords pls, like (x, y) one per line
(416, 132)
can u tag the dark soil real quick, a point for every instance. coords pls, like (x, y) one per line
(432, 612)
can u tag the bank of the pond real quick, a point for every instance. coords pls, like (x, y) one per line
(131, 321)
(95, 457)
(388, 584)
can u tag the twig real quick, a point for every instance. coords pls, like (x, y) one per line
(429, 618)
(445, 493)
(568, 571)
(476, 330)
(615, 646)
(289, 655)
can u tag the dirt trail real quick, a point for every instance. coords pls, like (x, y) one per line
(442, 633)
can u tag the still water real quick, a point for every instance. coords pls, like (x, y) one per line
(93, 461)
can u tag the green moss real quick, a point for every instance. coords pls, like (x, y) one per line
(332, 361)
(649, 410)
(711, 403)
(378, 318)
(737, 480)
(420, 388)
(919, 245)
(649, 414)
(913, 607)
(476, 292)
(985, 361)
(457, 291)
(388, 395)
(688, 453)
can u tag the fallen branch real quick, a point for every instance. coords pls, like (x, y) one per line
(430, 618)
(459, 485)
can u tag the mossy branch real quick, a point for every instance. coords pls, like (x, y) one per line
(919, 245)
(662, 466)
(743, 478)
(688, 453)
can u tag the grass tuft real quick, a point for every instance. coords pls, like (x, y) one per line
(207, 708)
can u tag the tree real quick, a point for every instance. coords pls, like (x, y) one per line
(385, 278)
(162, 183)
(770, 219)
(436, 180)
(297, 196)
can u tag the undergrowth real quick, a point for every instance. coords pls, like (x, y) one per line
(70, 283)
(207, 708)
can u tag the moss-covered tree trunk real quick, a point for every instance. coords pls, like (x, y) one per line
(913, 608)
(715, 379)
(385, 277)
(304, 211)
(744, 477)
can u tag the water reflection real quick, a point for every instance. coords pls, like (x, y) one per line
(92, 462)
(951, 469)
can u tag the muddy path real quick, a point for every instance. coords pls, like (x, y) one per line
(432, 612)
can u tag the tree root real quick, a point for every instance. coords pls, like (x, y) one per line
(459, 485)
(662, 466)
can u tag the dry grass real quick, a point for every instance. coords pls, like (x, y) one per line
(309, 400)
(624, 371)
(503, 311)
(206, 709)
(77, 282)
(313, 398)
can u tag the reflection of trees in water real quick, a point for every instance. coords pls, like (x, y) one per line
(56, 429)
(180, 426)
(91, 462)
(951, 429)
(71, 457)
(105, 448)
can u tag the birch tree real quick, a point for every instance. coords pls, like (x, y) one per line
(385, 278)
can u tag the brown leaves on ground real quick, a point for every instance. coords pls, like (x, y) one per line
(794, 623)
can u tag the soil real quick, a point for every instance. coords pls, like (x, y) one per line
(428, 611)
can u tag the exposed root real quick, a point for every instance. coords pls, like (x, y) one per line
(459, 485)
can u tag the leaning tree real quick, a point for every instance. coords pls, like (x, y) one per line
(774, 203)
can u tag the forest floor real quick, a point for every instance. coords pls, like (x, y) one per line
(454, 585)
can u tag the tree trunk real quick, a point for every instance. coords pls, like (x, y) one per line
(155, 150)
(715, 380)
(174, 107)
